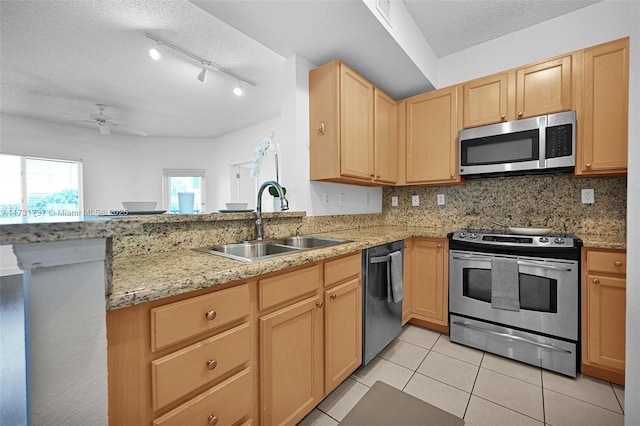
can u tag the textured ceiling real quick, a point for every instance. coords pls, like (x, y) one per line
(60, 57)
(454, 25)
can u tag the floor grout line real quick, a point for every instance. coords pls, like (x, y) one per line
(474, 385)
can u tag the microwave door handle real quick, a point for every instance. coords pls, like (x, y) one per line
(542, 142)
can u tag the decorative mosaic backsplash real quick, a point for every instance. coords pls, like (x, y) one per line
(550, 200)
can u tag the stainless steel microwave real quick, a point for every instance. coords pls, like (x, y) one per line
(544, 144)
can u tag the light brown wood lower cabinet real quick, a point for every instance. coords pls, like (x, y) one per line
(202, 372)
(429, 283)
(603, 314)
(407, 280)
(291, 358)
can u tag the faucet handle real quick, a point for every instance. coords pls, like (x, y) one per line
(298, 230)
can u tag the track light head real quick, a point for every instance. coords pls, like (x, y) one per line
(237, 90)
(155, 53)
(203, 74)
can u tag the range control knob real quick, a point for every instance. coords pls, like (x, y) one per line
(473, 236)
(462, 235)
(544, 240)
(559, 240)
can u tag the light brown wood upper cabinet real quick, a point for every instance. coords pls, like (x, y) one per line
(541, 88)
(432, 137)
(485, 100)
(603, 112)
(544, 87)
(343, 142)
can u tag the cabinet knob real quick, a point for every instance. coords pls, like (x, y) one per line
(617, 263)
(502, 116)
(520, 114)
(213, 420)
(588, 165)
(212, 364)
(439, 245)
(333, 295)
(319, 304)
(321, 128)
(596, 281)
(377, 176)
(211, 315)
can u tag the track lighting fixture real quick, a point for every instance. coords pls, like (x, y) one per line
(203, 74)
(156, 55)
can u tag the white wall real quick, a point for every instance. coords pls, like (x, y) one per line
(599, 23)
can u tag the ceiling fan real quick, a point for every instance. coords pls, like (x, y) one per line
(106, 123)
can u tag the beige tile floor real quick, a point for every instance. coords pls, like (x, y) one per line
(480, 387)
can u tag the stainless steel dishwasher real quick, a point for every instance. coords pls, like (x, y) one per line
(381, 320)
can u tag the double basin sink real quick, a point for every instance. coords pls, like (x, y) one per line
(253, 251)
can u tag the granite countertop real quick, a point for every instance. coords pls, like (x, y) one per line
(139, 279)
(618, 242)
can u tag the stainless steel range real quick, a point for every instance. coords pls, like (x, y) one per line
(517, 296)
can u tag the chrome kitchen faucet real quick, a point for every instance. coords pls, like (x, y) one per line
(284, 205)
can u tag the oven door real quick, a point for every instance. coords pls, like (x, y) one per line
(548, 293)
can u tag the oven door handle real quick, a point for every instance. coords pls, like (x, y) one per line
(510, 336)
(520, 262)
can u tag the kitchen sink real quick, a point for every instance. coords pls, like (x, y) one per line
(306, 242)
(252, 251)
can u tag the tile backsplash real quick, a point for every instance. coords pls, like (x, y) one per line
(549, 200)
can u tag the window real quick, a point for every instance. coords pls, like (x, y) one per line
(177, 181)
(33, 186)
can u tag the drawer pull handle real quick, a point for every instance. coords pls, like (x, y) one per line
(617, 263)
(211, 315)
(211, 364)
(596, 281)
(333, 295)
(213, 420)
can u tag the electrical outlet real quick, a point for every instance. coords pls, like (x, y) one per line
(588, 196)
(440, 199)
(341, 199)
(325, 198)
(394, 201)
(367, 199)
(415, 200)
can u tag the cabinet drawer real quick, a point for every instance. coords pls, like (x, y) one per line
(229, 402)
(336, 271)
(178, 321)
(289, 286)
(181, 372)
(614, 262)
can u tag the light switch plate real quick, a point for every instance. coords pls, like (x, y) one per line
(325, 198)
(415, 200)
(341, 199)
(394, 201)
(588, 196)
(440, 199)
(367, 199)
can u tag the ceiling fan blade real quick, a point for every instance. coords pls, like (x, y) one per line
(103, 128)
(133, 131)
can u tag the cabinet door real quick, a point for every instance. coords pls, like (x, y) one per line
(430, 290)
(385, 138)
(407, 280)
(343, 332)
(291, 362)
(606, 321)
(356, 125)
(485, 100)
(432, 133)
(604, 109)
(544, 88)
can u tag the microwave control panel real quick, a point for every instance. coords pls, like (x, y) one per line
(559, 141)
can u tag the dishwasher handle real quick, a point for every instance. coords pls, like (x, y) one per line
(380, 259)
